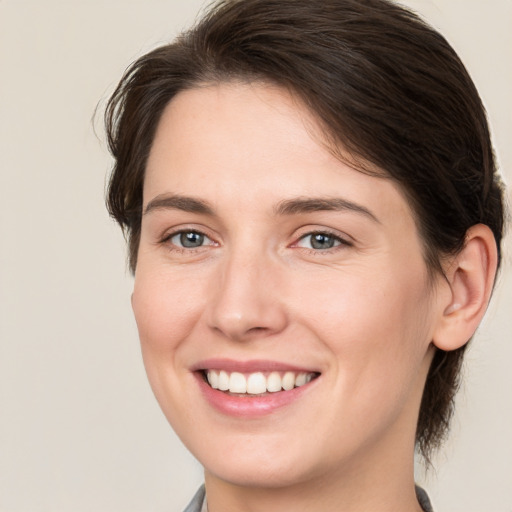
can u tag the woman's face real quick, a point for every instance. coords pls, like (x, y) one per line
(266, 262)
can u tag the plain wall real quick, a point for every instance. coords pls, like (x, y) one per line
(79, 427)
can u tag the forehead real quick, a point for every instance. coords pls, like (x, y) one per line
(248, 140)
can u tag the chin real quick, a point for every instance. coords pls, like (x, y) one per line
(267, 461)
(259, 474)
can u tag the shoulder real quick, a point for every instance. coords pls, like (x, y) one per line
(197, 501)
(423, 500)
(196, 505)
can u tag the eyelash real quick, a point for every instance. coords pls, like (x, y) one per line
(167, 240)
(339, 242)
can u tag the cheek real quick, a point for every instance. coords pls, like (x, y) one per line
(380, 323)
(378, 335)
(166, 307)
(363, 299)
(166, 310)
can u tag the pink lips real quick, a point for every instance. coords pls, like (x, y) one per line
(244, 405)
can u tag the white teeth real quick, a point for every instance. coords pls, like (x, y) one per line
(223, 380)
(300, 380)
(274, 382)
(237, 383)
(288, 381)
(256, 383)
(213, 379)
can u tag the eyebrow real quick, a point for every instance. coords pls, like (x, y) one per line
(294, 206)
(312, 204)
(178, 202)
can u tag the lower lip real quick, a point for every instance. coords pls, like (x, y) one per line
(247, 405)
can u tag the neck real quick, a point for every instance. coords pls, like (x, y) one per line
(385, 487)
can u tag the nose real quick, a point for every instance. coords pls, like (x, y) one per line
(246, 303)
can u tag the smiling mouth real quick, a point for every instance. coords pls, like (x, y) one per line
(257, 383)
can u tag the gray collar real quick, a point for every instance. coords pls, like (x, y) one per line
(198, 503)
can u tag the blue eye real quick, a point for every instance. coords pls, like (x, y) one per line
(189, 239)
(320, 241)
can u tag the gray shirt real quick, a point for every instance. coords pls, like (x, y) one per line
(198, 503)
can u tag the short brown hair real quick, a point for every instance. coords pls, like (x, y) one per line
(382, 83)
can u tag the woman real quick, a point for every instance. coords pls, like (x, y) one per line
(314, 222)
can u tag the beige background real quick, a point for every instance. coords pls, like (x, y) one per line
(79, 428)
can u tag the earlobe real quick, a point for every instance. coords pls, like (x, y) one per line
(471, 279)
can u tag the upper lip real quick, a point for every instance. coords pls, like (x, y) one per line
(255, 365)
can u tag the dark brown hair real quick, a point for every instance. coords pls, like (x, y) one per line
(384, 86)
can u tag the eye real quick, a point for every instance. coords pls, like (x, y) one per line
(320, 241)
(189, 239)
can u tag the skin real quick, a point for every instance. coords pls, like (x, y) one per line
(362, 313)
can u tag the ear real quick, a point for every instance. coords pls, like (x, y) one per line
(470, 277)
